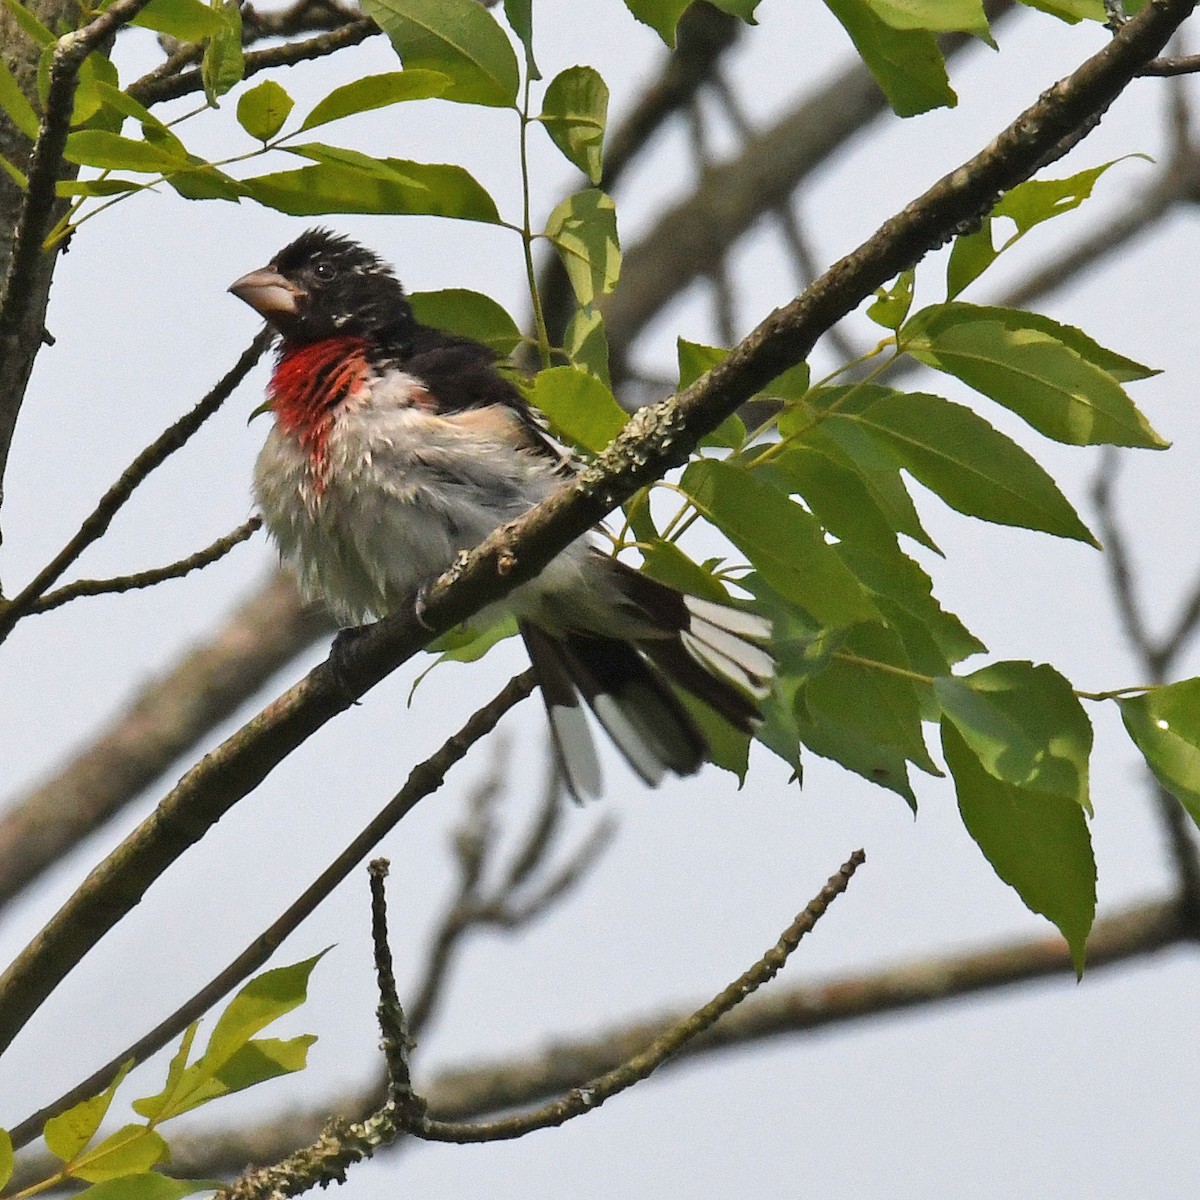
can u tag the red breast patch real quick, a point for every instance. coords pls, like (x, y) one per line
(309, 383)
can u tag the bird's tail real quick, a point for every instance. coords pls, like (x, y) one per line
(715, 652)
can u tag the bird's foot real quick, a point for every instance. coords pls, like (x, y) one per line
(339, 658)
(420, 599)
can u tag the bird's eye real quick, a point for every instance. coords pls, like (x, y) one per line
(324, 271)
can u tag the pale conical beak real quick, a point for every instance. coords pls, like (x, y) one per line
(268, 293)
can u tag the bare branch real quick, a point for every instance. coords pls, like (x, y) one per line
(423, 780)
(164, 720)
(156, 87)
(342, 1145)
(144, 579)
(27, 279)
(485, 1088)
(98, 521)
(653, 441)
(1184, 64)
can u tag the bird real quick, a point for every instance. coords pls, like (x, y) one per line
(396, 445)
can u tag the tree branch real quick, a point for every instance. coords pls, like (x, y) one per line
(168, 717)
(154, 455)
(654, 441)
(340, 1146)
(424, 779)
(156, 575)
(21, 330)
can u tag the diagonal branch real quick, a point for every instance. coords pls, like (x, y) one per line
(341, 1145)
(654, 441)
(422, 781)
(111, 503)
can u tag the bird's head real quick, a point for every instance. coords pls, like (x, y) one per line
(323, 286)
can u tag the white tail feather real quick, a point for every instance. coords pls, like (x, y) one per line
(741, 624)
(630, 740)
(754, 660)
(577, 751)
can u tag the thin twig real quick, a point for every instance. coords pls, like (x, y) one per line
(154, 455)
(144, 579)
(396, 1041)
(506, 906)
(342, 1145)
(46, 159)
(1185, 64)
(1117, 939)
(423, 780)
(154, 89)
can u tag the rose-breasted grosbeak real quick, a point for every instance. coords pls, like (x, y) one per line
(395, 446)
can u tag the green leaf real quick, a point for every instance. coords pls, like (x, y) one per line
(14, 173)
(262, 110)
(158, 1107)
(972, 466)
(891, 305)
(186, 20)
(880, 706)
(465, 643)
(906, 63)
(203, 182)
(147, 1186)
(853, 447)
(664, 561)
(1165, 725)
(6, 1157)
(579, 406)
(519, 14)
(574, 112)
(261, 1059)
(376, 91)
(1024, 725)
(66, 1134)
(1039, 377)
(583, 229)
(663, 15)
(1071, 11)
(345, 181)
(837, 496)
(111, 151)
(781, 540)
(932, 321)
(586, 344)
(696, 360)
(265, 999)
(459, 38)
(131, 1150)
(938, 16)
(222, 66)
(97, 70)
(1037, 842)
(469, 314)
(728, 748)
(1027, 205)
(934, 639)
(97, 187)
(850, 749)
(16, 105)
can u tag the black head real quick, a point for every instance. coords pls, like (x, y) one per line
(323, 285)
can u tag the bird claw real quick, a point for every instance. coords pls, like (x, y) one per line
(339, 658)
(419, 603)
